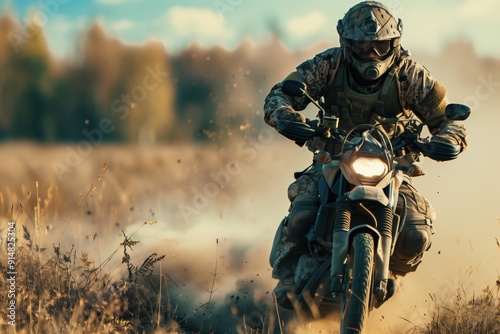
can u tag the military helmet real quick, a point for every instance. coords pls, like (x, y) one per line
(370, 26)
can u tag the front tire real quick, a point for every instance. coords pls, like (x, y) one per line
(355, 301)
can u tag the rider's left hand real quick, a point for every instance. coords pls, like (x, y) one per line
(438, 148)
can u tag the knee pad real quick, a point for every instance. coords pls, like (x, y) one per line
(301, 218)
(414, 239)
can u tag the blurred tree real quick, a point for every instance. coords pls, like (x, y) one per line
(146, 94)
(131, 85)
(27, 82)
(194, 103)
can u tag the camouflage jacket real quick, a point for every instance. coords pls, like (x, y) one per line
(419, 93)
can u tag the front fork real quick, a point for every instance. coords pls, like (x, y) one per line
(380, 229)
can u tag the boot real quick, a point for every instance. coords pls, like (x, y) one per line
(285, 264)
(284, 292)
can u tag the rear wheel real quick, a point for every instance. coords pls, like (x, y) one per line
(355, 301)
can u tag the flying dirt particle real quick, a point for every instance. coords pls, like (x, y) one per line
(89, 212)
(131, 208)
(244, 126)
(178, 161)
(439, 252)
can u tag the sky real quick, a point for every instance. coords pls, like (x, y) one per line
(428, 25)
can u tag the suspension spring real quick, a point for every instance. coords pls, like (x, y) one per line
(342, 216)
(384, 217)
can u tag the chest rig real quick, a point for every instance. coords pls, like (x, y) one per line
(354, 107)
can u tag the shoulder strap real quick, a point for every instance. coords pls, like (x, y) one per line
(403, 55)
(335, 69)
(384, 91)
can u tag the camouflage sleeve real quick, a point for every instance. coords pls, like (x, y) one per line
(420, 92)
(316, 73)
(277, 104)
(426, 97)
(450, 132)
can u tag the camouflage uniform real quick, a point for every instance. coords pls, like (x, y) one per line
(418, 94)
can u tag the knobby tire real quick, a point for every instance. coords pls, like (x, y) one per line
(355, 302)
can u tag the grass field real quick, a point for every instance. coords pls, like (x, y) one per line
(133, 239)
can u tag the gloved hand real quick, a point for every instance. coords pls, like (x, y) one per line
(295, 126)
(294, 116)
(437, 148)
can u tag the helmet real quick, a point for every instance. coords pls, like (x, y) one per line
(366, 27)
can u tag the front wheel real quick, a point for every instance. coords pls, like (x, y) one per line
(355, 301)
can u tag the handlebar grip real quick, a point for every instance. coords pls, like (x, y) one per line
(296, 131)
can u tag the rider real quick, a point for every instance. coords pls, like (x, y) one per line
(368, 79)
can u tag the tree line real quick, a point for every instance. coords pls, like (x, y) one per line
(141, 93)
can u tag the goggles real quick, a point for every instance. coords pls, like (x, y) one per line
(363, 48)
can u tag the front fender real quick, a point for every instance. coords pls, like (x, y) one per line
(370, 193)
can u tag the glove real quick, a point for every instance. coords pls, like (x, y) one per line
(293, 116)
(438, 149)
(296, 131)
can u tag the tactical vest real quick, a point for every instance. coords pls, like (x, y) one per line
(355, 108)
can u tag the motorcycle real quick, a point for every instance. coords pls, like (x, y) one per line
(346, 270)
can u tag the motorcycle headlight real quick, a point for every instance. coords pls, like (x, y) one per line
(368, 167)
(365, 161)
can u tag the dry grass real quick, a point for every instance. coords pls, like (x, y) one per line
(474, 315)
(61, 287)
(61, 291)
(57, 292)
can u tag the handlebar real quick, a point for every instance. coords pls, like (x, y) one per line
(299, 131)
(327, 127)
(303, 132)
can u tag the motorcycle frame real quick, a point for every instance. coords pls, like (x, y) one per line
(335, 190)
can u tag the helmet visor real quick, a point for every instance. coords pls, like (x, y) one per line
(363, 48)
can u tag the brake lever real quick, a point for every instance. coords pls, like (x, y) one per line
(326, 133)
(406, 139)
